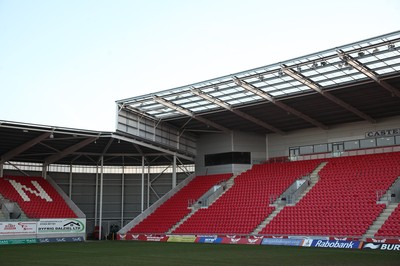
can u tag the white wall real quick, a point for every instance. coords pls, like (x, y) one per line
(234, 142)
(279, 145)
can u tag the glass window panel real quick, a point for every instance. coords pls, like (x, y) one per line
(327, 83)
(276, 93)
(320, 148)
(306, 150)
(329, 146)
(398, 140)
(351, 145)
(367, 143)
(386, 141)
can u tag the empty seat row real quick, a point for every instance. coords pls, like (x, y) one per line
(36, 197)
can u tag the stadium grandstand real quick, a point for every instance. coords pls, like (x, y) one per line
(308, 147)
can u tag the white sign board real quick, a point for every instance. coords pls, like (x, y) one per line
(18, 228)
(61, 226)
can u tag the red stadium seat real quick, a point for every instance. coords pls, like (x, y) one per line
(343, 202)
(36, 197)
(175, 208)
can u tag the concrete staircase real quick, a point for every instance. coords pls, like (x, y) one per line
(267, 220)
(182, 221)
(229, 183)
(394, 188)
(313, 180)
(2, 216)
(2, 199)
(373, 229)
(314, 177)
(23, 215)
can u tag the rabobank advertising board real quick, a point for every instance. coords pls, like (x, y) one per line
(336, 244)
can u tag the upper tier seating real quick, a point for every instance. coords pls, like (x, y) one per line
(243, 207)
(175, 208)
(391, 227)
(343, 202)
(36, 197)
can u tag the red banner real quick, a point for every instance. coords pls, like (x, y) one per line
(142, 237)
(383, 240)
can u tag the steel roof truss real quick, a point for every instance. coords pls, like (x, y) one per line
(368, 72)
(235, 111)
(71, 149)
(190, 113)
(306, 81)
(20, 149)
(280, 104)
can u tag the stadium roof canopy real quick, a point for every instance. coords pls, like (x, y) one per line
(354, 82)
(56, 145)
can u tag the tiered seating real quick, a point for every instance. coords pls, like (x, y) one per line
(343, 202)
(391, 228)
(37, 198)
(246, 204)
(175, 208)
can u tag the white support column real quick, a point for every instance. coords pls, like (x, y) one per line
(266, 147)
(1, 170)
(122, 194)
(148, 186)
(44, 171)
(174, 172)
(101, 198)
(96, 196)
(70, 182)
(142, 192)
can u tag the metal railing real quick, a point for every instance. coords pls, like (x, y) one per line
(345, 153)
(295, 195)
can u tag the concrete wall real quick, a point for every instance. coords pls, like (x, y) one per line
(279, 145)
(234, 142)
(263, 147)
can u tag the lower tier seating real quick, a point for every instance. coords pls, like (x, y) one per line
(243, 207)
(343, 202)
(175, 208)
(36, 197)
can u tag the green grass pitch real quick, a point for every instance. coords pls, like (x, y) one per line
(151, 253)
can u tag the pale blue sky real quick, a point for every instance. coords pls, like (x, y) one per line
(66, 62)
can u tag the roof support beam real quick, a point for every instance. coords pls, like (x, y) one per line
(54, 158)
(368, 72)
(235, 111)
(311, 84)
(148, 145)
(190, 114)
(137, 147)
(266, 96)
(20, 149)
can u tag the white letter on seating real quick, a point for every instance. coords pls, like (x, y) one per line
(22, 188)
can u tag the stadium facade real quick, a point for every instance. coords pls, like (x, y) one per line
(339, 102)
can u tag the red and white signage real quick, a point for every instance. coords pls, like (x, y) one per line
(18, 228)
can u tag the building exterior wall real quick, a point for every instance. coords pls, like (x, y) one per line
(150, 129)
(235, 142)
(278, 145)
